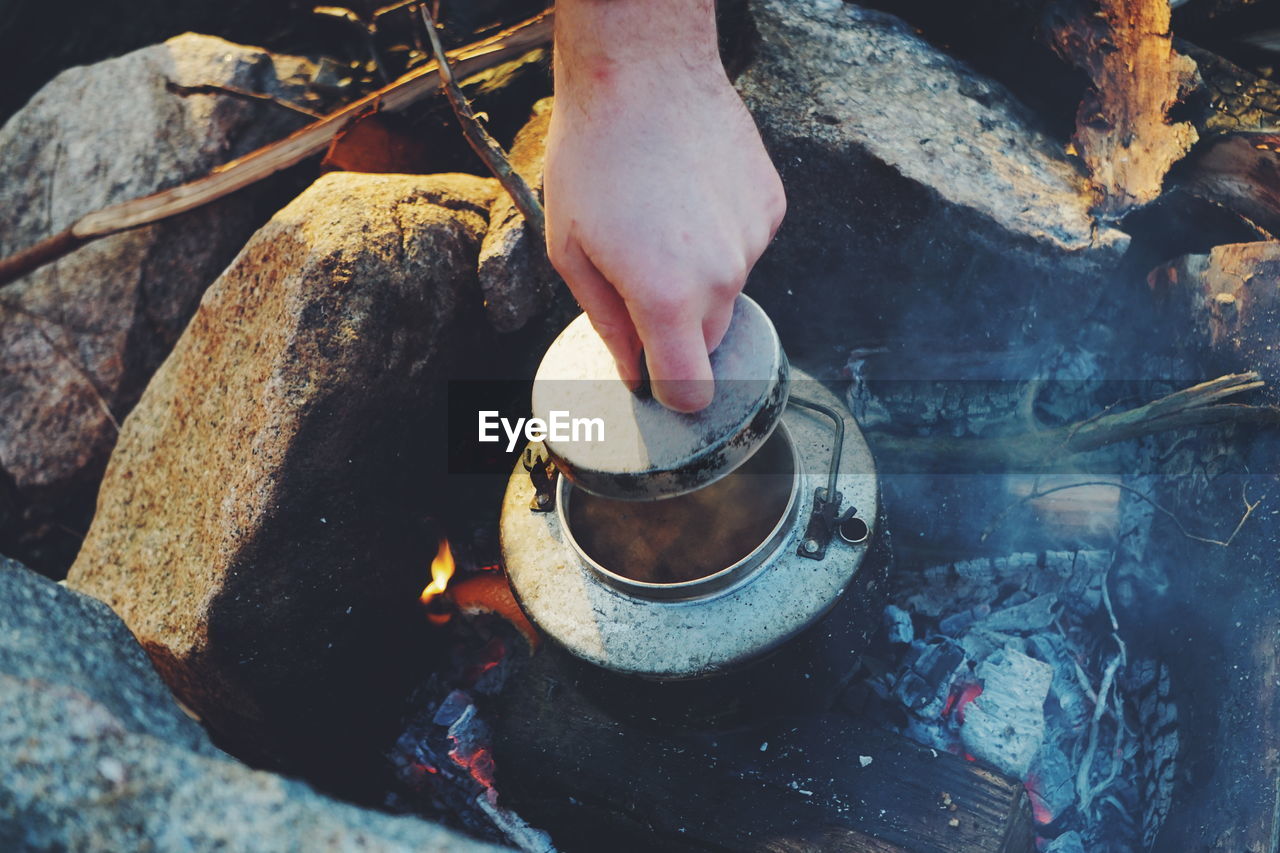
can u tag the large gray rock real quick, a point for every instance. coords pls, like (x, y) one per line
(96, 756)
(262, 525)
(50, 635)
(80, 337)
(920, 195)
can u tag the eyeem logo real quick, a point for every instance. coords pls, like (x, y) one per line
(560, 427)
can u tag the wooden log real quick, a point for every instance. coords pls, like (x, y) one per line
(1198, 406)
(1234, 168)
(810, 782)
(1231, 297)
(1240, 171)
(269, 159)
(1123, 131)
(1218, 624)
(1230, 98)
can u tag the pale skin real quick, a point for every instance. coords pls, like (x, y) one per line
(660, 196)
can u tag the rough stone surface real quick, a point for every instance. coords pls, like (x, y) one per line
(79, 338)
(260, 526)
(516, 278)
(916, 188)
(50, 635)
(97, 756)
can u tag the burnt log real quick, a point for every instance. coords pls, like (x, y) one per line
(600, 780)
(1230, 98)
(1232, 300)
(1218, 629)
(1217, 626)
(1227, 190)
(1241, 172)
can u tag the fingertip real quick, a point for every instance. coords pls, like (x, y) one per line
(684, 395)
(692, 392)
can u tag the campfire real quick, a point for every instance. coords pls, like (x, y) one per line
(973, 550)
(442, 569)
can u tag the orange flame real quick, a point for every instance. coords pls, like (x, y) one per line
(441, 570)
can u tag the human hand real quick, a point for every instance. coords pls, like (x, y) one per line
(660, 196)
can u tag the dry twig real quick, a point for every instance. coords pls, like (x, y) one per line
(1084, 790)
(485, 146)
(1039, 493)
(269, 159)
(213, 89)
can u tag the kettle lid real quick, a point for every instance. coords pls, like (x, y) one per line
(620, 444)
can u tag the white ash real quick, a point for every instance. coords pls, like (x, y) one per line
(1038, 632)
(1068, 842)
(1005, 724)
(521, 835)
(1034, 615)
(1052, 779)
(897, 624)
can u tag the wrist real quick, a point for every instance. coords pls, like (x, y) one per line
(603, 47)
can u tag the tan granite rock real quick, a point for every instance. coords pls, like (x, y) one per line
(261, 525)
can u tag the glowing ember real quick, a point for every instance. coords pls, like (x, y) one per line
(441, 570)
(489, 592)
(479, 763)
(959, 698)
(1039, 809)
(967, 695)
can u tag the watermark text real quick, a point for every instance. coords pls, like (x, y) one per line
(558, 427)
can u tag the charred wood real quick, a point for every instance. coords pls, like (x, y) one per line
(1219, 625)
(1241, 172)
(799, 783)
(1182, 222)
(1124, 133)
(1232, 299)
(1230, 98)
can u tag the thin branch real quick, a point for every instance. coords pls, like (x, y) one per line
(485, 146)
(1039, 493)
(279, 155)
(65, 355)
(214, 89)
(1084, 791)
